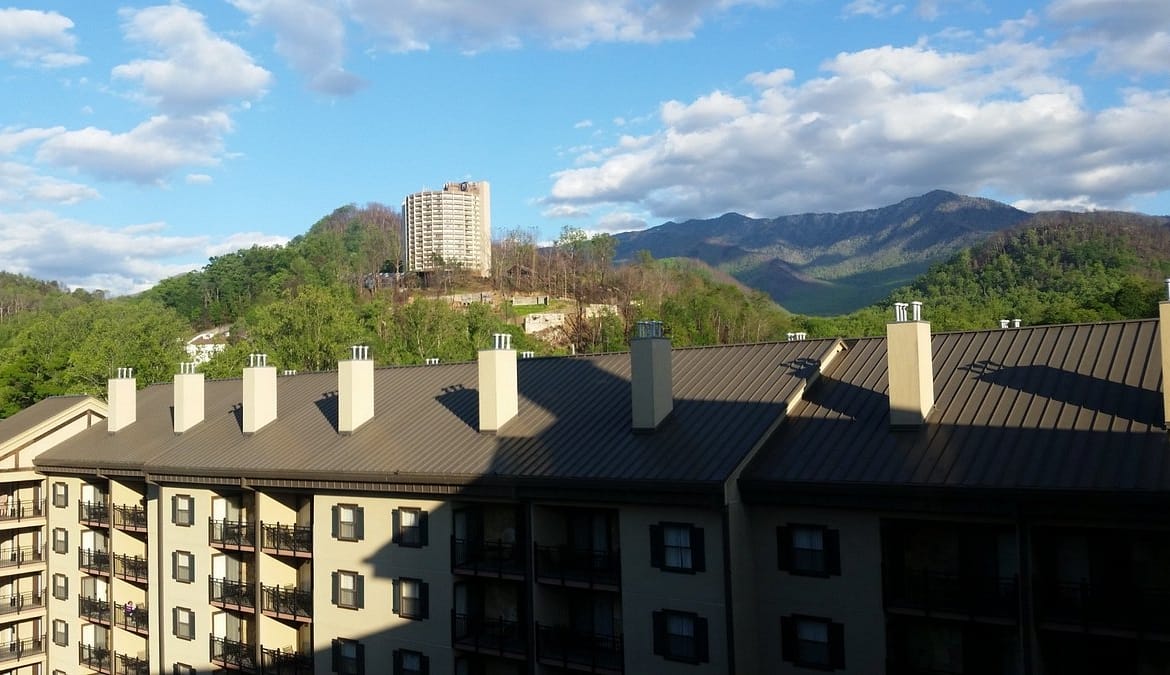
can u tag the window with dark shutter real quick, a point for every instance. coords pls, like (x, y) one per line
(812, 642)
(410, 598)
(348, 522)
(349, 657)
(409, 527)
(810, 550)
(677, 547)
(680, 636)
(410, 662)
(348, 590)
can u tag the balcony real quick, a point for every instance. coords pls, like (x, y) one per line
(232, 535)
(93, 514)
(16, 510)
(568, 566)
(286, 603)
(131, 567)
(136, 620)
(130, 518)
(95, 658)
(20, 649)
(970, 596)
(1119, 605)
(285, 662)
(130, 665)
(499, 637)
(94, 610)
(231, 594)
(14, 604)
(590, 652)
(499, 559)
(91, 561)
(21, 556)
(232, 655)
(286, 540)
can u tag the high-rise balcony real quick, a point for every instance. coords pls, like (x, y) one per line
(93, 561)
(133, 617)
(1120, 604)
(479, 557)
(130, 518)
(16, 510)
(93, 609)
(125, 664)
(131, 567)
(231, 594)
(283, 662)
(20, 649)
(485, 635)
(20, 556)
(579, 650)
(232, 535)
(20, 602)
(967, 595)
(287, 540)
(93, 514)
(568, 566)
(95, 658)
(286, 603)
(232, 654)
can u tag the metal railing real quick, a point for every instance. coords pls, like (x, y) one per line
(136, 620)
(232, 654)
(19, 602)
(94, 658)
(567, 564)
(130, 567)
(1119, 604)
(125, 664)
(93, 609)
(130, 517)
(287, 601)
(21, 555)
(93, 513)
(18, 649)
(493, 636)
(239, 594)
(285, 662)
(492, 557)
(92, 561)
(20, 509)
(286, 539)
(564, 647)
(960, 594)
(237, 534)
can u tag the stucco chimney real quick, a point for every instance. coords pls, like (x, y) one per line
(188, 398)
(1164, 339)
(355, 389)
(499, 395)
(259, 393)
(123, 405)
(651, 393)
(909, 367)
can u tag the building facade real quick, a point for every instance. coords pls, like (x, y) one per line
(449, 229)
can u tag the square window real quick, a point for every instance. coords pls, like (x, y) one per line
(410, 598)
(409, 662)
(60, 587)
(183, 566)
(348, 657)
(60, 495)
(60, 540)
(811, 550)
(680, 636)
(409, 527)
(183, 510)
(348, 590)
(60, 632)
(184, 623)
(812, 642)
(677, 547)
(347, 522)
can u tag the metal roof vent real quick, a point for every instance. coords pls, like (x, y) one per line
(1015, 323)
(1003, 323)
(432, 361)
(501, 341)
(648, 329)
(527, 355)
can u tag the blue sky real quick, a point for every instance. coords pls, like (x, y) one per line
(137, 139)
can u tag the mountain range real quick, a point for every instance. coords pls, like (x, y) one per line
(831, 263)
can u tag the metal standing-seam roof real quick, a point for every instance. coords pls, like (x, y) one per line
(573, 424)
(1049, 408)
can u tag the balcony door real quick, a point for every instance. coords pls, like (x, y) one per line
(225, 625)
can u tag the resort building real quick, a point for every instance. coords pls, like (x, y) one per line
(449, 229)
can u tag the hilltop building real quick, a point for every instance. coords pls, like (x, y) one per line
(449, 228)
(989, 502)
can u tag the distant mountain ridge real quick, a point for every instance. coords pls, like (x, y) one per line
(831, 263)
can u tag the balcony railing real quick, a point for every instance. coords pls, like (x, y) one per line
(134, 618)
(232, 654)
(231, 594)
(22, 509)
(20, 602)
(285, 662)
(94, 658)
(286, 602)
(94, 609)
(130, 567)
(18, 649)
(21, 555)
(132, 518)
(564, 647)
(232, 534)
(488, 636)
(1121, 605)
(967, 595)
(93, 514)
(92, 561)
(486, 558)
(570, 566)
(296, 540)
(130, 665)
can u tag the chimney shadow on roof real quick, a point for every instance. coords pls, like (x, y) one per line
(328, 406)
(238, 413)
(461, 402)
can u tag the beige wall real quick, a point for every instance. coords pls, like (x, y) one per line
(171, 593)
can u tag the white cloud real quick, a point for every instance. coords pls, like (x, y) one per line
(196, 70)
(1073, 203)
(583, 124)
(873, 8)
(565, 211)
(12, 140)
(20, 183)
(620, 221)
(1125, 35)
(34, 38)
(198, 179)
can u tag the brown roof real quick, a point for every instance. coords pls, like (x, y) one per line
(37, 413)
(573, 424)
(1050, 409)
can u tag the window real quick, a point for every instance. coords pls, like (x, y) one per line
(184, 623)
(812, 642)
(183, 566)
(60, 540)
(677, 547)
(811, 550)
(183, 510)
(60, 587)
(349, 657)
(680, 636)
(348, 522)
(182, 669)
(60, 632)
(410, 598)
(60, 495)
(409, 527)
(348, 590)
(407, 662)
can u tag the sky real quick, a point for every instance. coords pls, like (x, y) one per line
(137, 140)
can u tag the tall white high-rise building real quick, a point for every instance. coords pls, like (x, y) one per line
(449, 228)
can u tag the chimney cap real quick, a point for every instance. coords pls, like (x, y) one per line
(187, 367)
(256, 360)
(648, 329)
(1003, 323)
(124, 373)
(501, 341)
(359, 352)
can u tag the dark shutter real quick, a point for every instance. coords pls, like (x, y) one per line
(175, 621)
(783, 548)
(788, 638)
(336, 587)
(336, 521)
(657, 555)
(660, 640)
(423, 527)
(175, 509)
(424, 663)
(832, 539)
(424, 599)
(395, 532)
(702, 653)
(397, 655)
(336, 655)
(175, 565)
(359, 523)
(359, 592)
(361, 658)
(698, 550)
(395, 596)
(837, 645)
